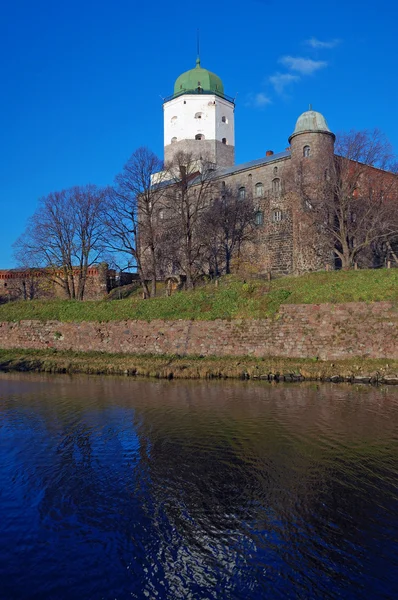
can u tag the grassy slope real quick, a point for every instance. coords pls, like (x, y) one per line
(230, 300)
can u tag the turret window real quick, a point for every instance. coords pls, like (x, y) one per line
(173, 119)
(224, 141)
(276, 186)
(259, 190)
(199, 136)
(173, 139)
(306, 151)
(224, 120)
(259, 218)
(242, 193)
(198, 115)
(277, 216)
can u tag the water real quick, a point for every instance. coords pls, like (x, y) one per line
(114, 488)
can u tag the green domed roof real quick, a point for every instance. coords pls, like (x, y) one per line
(198, 80)
(311, 120)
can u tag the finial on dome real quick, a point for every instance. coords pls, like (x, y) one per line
(197, 49)
(310, 107)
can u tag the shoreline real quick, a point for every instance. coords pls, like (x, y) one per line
(354, 370)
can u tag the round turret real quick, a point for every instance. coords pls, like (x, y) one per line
(311, 121)
(312, 137)
(198, 81)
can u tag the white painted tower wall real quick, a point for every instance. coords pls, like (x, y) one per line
(191, 114)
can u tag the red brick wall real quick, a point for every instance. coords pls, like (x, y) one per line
(41, 283)
(324, 331)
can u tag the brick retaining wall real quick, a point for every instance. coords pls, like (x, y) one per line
(325, 331)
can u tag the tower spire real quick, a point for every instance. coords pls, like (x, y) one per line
(197, 48)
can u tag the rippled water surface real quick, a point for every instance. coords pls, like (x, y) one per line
(114, 488)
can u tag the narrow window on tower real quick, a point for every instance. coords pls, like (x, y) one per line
(173, 139)
(277, 216)
(224, 141)
(259, 217)
(199, 136)
(306, 151)
(276, 186)
(224, 120)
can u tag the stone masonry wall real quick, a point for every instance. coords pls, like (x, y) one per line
(301, 331)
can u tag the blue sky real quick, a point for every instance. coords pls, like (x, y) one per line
(82, 81)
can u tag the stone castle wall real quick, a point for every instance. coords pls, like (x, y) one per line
(211, 150)
(291, 243)
(327, 332)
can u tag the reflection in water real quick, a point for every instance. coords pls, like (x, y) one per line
(115, 488)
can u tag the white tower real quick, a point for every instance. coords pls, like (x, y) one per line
(199, 119)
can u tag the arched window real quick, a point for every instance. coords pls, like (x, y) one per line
(224, 120)
(259, 190)
(275, 170)
(259, 217)
(173, 119)
(306, 151)
(242, 193)
(173, 139)
(224, 141)
(223, 185)
(198, 115)
(276, 186)
(277, 215)
(199, 136)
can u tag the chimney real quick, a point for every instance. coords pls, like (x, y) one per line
(269, 153)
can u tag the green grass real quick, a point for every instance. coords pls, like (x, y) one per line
(195, 367)
(232, 299)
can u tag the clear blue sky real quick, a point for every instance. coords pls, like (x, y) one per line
(81, 81)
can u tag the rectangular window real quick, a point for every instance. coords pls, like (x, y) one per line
(259, 218)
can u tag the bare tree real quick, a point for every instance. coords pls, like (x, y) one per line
(130, 216)
(188, 196)
(352, 197)
(64, 237)
(228, 222)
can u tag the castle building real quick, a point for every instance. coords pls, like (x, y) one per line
(199, 120)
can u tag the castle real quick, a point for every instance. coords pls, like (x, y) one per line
(199, 123)
(199, 120)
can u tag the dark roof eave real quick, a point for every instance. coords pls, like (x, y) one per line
(195, 92)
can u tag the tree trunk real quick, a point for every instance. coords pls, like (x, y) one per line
(143, 282)
(153, 283)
